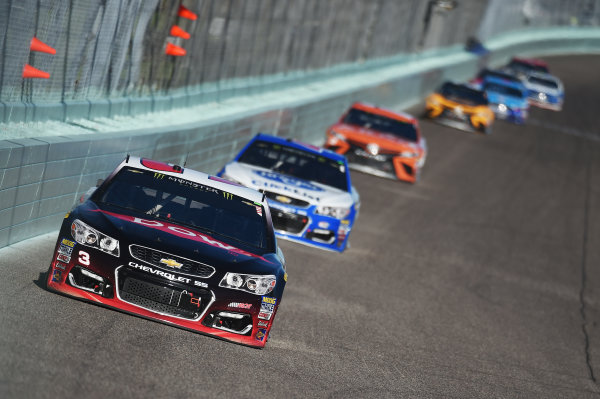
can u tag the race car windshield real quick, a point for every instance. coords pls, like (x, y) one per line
(404, 130)
(297, 163)
(463, 94)
(543, 82)
(504, 90)
(220, 214)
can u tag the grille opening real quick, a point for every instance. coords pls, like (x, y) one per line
(408, 169)
(288, 222)
(87, 280)
(154, 257)
(238, 323)
(162, 297)
(320, 235)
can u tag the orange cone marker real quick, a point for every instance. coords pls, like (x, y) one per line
(177, 31)
(174, 50)
(185, 13)
(40, 46)
(31, 72)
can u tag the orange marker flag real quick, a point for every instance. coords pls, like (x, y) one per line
(31, 72)
(177, 31)
(40, 46)
(174, 50)
(185, 13)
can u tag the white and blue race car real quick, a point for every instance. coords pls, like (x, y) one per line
(545, 90)
(308, 188)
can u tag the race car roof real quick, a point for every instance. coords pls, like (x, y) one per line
(192, 175)
(300, 145)
(398, 115)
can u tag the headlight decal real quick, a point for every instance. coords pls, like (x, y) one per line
(90, 237)
(333, 211)
(254, 284)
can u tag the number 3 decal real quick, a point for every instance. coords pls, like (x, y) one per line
(84, 258)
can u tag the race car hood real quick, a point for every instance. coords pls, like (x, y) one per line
(386, 141)
(266, 180)
(133, 228)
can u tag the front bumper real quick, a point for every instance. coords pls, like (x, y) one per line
(545, 101)
(305, 226)
(458, 119)
(391, 166)
(513, 115)
(194, 304)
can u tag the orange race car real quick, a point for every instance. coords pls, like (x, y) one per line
(460, 106)
(380, 142)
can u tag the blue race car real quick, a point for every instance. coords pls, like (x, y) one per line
(508, 98)
(308, 189)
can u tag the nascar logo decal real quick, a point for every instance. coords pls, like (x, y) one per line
(288, 181)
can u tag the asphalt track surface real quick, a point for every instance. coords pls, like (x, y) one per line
(482, 280)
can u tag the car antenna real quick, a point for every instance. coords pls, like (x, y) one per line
(185, 160)
(127, 159)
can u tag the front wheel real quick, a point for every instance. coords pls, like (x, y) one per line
(485, 129)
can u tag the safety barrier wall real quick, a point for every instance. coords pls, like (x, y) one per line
(41, 178)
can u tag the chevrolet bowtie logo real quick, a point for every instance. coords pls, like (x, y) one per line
(283, 199)
(171, 263)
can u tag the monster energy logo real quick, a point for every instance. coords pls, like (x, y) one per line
(228, 196)
(159, 176)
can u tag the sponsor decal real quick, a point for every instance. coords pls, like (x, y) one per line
(167, 275)
(270, 300)
(324, 225)
(227, 196)
(194, 301)
(183, 233)
(67, 243)
(265, 315)
(285, 277)
(56, 275)
(261, 334)
(263, 323)
(171, 263)
(65, 250)
(239, 305)
(59, 265)
(259, 210)
(63, 258)
(287, 180)
(267, 306)
(67, 215)
(345, 221)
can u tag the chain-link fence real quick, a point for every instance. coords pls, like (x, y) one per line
(115, 49)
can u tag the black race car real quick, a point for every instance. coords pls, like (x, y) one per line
(177, 246)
